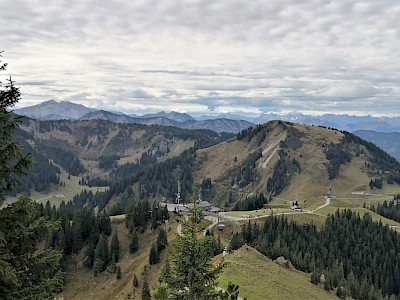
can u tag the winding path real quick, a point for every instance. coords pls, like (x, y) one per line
(327, 202)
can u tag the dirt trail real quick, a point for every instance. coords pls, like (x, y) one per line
(327, 202)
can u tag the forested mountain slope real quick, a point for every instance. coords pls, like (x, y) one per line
(92, 149)
(293, 162)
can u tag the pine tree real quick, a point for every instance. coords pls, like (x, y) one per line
(135, 281)
(119, 274)
(145, 290)
(114, 251)
(89, 256)
(26, 271)
(162, 240)
(101, 254)
(192, 273)
(154, 256)
(134, 245)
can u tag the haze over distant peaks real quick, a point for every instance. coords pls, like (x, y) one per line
(229, 122)
(173, 115)
(53, 110)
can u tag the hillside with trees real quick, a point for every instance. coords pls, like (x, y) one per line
(293, 162)
(357, 257)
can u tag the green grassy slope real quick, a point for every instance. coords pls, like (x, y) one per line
(261, 279)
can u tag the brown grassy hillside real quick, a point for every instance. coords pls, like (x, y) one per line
(306, 145)
(81, 284)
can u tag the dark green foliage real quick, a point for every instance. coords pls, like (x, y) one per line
(108, 162)
(145, 290)
(350, 146)
(236, 242)
(378, 183)
(390, 210)
(89, 256)
(152, 180)
(154, 256)
(336, 155)
(147, 159)
(165, 275)
(96, 181)
(251, 203)
(353, 252)
(206, 184)
(315, 275)
(119, 273)
(247, 173)
(134, 245)
(43, 172)
(13, 163)
(248, 134)
(279, 179)
(162, 240)
(27, 271)
(101, 255)
(80, 228)
(161, 291)
(293, 139)
(231, 293)
(140, 215)
(114, 249)
(192, 275)
(135, 281)
(68, 160)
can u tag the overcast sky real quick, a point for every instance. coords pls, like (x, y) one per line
(209, 57)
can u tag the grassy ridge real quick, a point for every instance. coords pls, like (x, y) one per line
(260, 279)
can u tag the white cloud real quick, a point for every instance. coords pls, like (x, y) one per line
(206, 55)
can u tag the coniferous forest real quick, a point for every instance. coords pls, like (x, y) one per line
(357, 257)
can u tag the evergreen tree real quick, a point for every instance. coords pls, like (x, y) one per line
(26, 271)
(119, 274)
(231, 293)
(114, 251)
(145, 290)
(89, 256)
(13, 164)
(135, 281)
(154, 256)
(165, 272)
(192, 273)
(162, 240)
(101, 254)
(134, 245)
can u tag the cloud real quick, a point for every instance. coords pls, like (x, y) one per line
(218, 56)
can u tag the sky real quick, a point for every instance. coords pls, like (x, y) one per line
(206, 57)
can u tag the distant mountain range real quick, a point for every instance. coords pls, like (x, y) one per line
(217, 125)
(390, 142)
(52, 110)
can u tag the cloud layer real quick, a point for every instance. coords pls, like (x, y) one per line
(207, 56)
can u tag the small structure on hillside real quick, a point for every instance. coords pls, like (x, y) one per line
(221, 227)
(179, 207)
(296, 207)
(205, 206)
(330, 194)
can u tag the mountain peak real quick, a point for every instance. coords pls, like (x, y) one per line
(51, 109)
